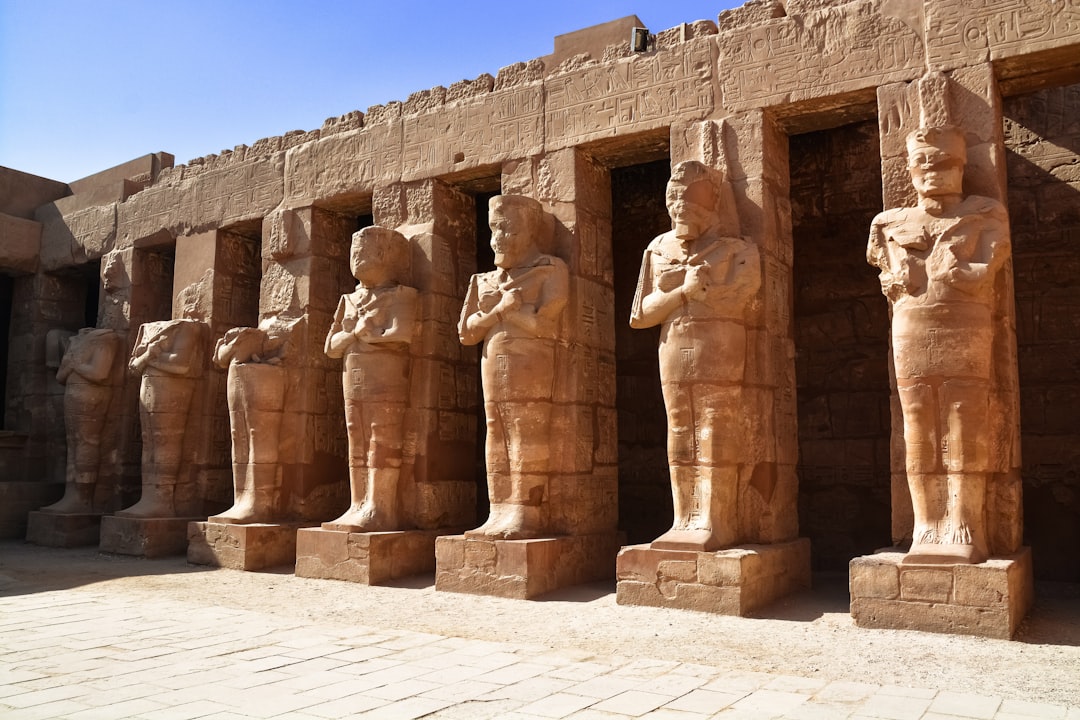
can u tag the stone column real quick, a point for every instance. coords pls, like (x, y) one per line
(304, 257)
(580, 509)
(767, 559)
(436, 491)
(987, 598)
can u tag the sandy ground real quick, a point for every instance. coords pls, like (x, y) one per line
(809, 634)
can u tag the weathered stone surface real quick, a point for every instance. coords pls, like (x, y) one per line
(63, 530)
(367, 558)
(256, 546)
(144, 537)
(522, 569)
(736, 581)
(20, 244)
(988, 599)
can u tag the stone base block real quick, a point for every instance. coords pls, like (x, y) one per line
(989, 599)
(144, 537)
(369, 558)
(522, 569)
(736, 581)
(242, 547)
(18, 499)
(65, 530)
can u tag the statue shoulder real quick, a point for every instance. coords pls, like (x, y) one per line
(982, 205)
(893, 216)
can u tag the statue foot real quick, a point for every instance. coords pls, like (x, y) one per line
(520, 522)
(364, 518)
(76, 501)
(242, 513)
(695, 539)
(943, 554)
(149, 507)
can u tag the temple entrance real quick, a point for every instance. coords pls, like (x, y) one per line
(841, 327)
(638, 216)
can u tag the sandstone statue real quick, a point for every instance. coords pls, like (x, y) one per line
(256, 394)
(85, 372)
(697, 283)
(170, 356)
(515, 311)
(939, 262)
(372, 330)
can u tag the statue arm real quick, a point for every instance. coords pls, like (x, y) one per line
(174, 352)
(893, 284)
(541, 319)
(96, 364)
(139, 353)
(990, 252)
(402, 318)
(338, 339)
(653, 305)
(475, 323)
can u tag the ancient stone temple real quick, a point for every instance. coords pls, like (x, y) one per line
(701, 309)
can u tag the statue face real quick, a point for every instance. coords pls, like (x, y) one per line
(935, 172)
(511, 238)
(691, 208)
(368, 265)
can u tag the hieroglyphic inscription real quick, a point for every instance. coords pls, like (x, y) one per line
(961, 32)
(497, 126)
(346, 162)
(631, 95)
(823, 53)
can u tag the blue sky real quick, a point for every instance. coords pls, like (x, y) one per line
(88, 84)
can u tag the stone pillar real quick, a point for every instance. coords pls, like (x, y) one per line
(35, 410)
(436, 488)
(945, 597)
(204, 482)
(581, 508)
(767, 559)
(304, 257)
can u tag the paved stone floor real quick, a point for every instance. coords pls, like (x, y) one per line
(95, 652)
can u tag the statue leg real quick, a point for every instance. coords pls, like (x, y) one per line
(242, 496)
(967, 460)
(85, 407)
(164, 414)
(919, 407)
(497, 462)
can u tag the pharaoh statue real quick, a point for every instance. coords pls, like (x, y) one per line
(515, 310)
(696, 284)
(372, 330)
(85, 371)
(256, 395)
(170, 357)
(938, 265)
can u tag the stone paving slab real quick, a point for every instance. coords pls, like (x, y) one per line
(94, 653)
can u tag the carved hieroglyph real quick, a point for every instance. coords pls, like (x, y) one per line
(372, 330)
(696, 284)
(256, 392)
(170, 357)
(516, 312)
(939, 263)
(85, 371)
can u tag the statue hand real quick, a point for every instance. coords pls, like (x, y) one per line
(696, 282)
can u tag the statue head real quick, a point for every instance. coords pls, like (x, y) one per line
(379, 256)
(936, 158)
(515, 222)
(693, 193)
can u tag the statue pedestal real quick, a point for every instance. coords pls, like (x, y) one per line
(522, 569)
(255, 546)
(989, 599)
(370, 558)
(143, 537)
(735, 581)
(66, 530)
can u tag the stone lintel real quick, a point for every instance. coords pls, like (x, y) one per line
(255, 546)
(735, 581)
(989, 599)
(367, 558)
(144, 537)
(66, 530)
(522, 569)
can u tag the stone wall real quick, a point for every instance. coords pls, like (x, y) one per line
(1042, 138)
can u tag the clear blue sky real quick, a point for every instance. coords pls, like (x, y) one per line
(88, 84)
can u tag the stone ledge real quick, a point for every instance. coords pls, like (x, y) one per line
(735, 581)
(254, 546)
(522, 569)
(144, 537)
(367, 558)
(65, 530)
(988, 600)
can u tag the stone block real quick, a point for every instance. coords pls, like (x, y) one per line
(63, 530)
(989, 599)
(241, 547)
(522, 569)
(367, 558)
(144, 537)
(19, 498)
(736, 581)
